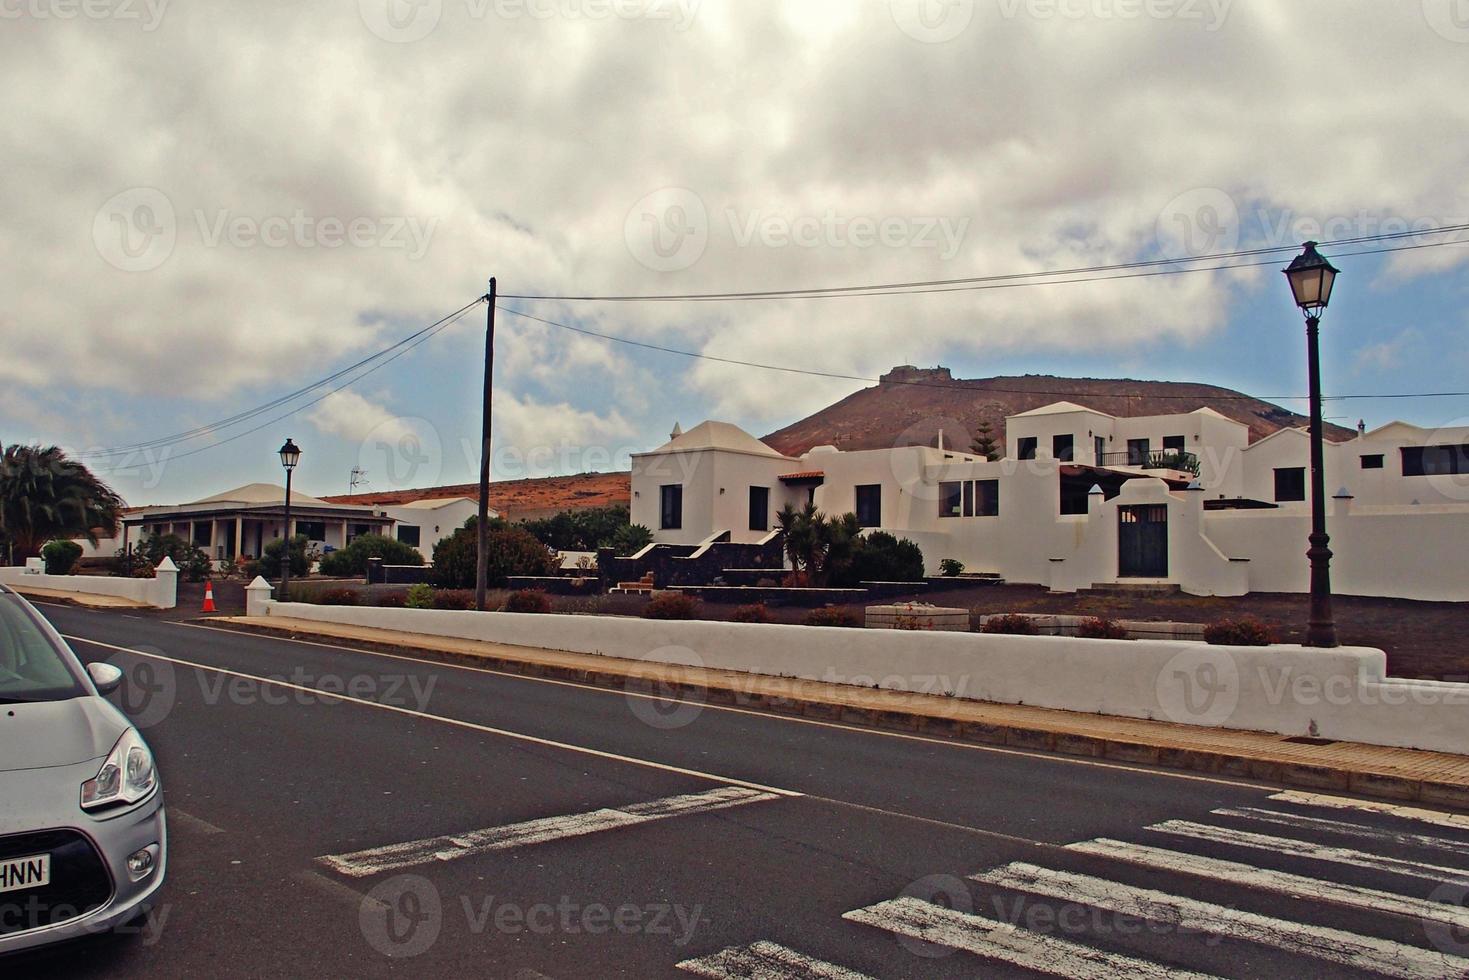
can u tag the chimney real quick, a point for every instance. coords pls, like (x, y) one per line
(677, 431)
(941, 440)
(1361, 428)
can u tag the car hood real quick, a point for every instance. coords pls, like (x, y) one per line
(57, 733)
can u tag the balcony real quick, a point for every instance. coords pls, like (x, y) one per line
(1170, 459)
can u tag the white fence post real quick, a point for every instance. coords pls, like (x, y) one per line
(257, 597)
(166, 584)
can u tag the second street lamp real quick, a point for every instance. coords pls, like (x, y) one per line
(1311, 280)
(290, 456)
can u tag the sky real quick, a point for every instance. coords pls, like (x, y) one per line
(208, 206)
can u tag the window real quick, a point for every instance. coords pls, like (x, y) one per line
(409, 534)
(1025, 448)
(1435, 460)
(204, 534)
(869, 505)
(1174, 444)
(759, 508)
(1372, 462)
(986, 498)
(1138, 451)
(968, 498)
(1063, 448)
(316, 530)
(951, 496)
(670, 506)
(1099, 446)
(1290, 483)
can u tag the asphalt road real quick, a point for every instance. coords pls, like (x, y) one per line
(446, 821)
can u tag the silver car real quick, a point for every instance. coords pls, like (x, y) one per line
(82, 837)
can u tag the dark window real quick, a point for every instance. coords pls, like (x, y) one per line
(1063, 448)
(1137, 452)
(204, 534)
(670, 507)
(1174, 444)
(409, 534)
(316, 530)
(968, 498)
(354, 531)
(987, 498)
(759, 508)
(1290, 483)
(869, 505)
(1099, 445)
(951, 497)
(1435, 460)
(1372, 462)
(1025, 448)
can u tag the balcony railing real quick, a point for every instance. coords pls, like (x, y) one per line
(1168, 459)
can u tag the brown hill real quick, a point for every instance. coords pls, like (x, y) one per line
(517, 499)
(910, 405)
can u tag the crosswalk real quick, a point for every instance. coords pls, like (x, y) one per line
(1425, 889)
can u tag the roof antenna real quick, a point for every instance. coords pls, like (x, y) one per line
(359, 478)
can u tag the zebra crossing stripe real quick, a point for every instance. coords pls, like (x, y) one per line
(1278, 882)
(1458, 821)
(766, 961)
(1363, 831)
(1317, 852)
(1007, 943)
(1330, 945)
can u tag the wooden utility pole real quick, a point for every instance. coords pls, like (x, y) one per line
(483, 527)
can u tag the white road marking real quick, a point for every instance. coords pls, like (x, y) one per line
(1456, 820)
(392, 857)
(1007, 943)
(1317, 852)
(766, 961)
(1331, 945)
(1346, 829)
(456, 722)
(191, 822)
(1278, 882)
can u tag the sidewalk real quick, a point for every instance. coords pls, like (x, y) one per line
(1436, 778)
(79, 598)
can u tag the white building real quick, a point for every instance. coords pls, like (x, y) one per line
(1087, 498)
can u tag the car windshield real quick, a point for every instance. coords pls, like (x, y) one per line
(31, 667)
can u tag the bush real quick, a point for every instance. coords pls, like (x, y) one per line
(61, 557)
(512, 551)
(951, 567)
(337, 597)
(420, 596)
(910, 623)
(1247, 631)
(270, 562)
(392, 600)
(193, 563)
(1011, 623)
(835, 616)
(453, 599)
(352, 560)
(670, 605)
(756, 613)
(528, 601)
(1101, 628)
(880, 557)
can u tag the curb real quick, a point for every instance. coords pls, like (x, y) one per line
(1286, 773)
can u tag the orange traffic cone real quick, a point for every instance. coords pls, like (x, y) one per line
(209, 597)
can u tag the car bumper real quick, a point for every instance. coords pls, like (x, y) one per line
(114, 839)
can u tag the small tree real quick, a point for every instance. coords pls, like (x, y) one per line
(880, 557)
(984, 442)
(512, 551)
(270, 562)
(193, 562)
(352, 560)
(61, 557)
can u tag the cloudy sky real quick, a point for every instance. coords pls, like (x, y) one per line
(211, 205)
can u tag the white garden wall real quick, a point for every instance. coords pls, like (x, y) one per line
(161, 591)
(1338, 694)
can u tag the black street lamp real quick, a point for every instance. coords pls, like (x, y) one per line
(1311, 278)
(290, 456)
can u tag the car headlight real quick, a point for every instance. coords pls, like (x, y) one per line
(127, 776)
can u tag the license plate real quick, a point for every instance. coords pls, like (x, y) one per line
(26, 872)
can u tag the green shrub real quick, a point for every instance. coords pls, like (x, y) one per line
(270, 562)
(835, 616)
(880, 557)
(951, 567)
(337, 597)
(671, 605)
(61, 557)
(453, 599)
(756, 613)
(528, 601)
(1013, 624)
(193, 563)
(420, 596)
(352, 560)
(1101, 628)
(1247, 631)
(512, 551)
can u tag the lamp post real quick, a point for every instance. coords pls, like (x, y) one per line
(290, 456)
(1311, 278)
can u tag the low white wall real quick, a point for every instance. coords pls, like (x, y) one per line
(1338, 694)
(160, 591)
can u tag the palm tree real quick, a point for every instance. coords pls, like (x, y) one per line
(44, 495)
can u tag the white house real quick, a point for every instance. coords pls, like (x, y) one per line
(1087, 498)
